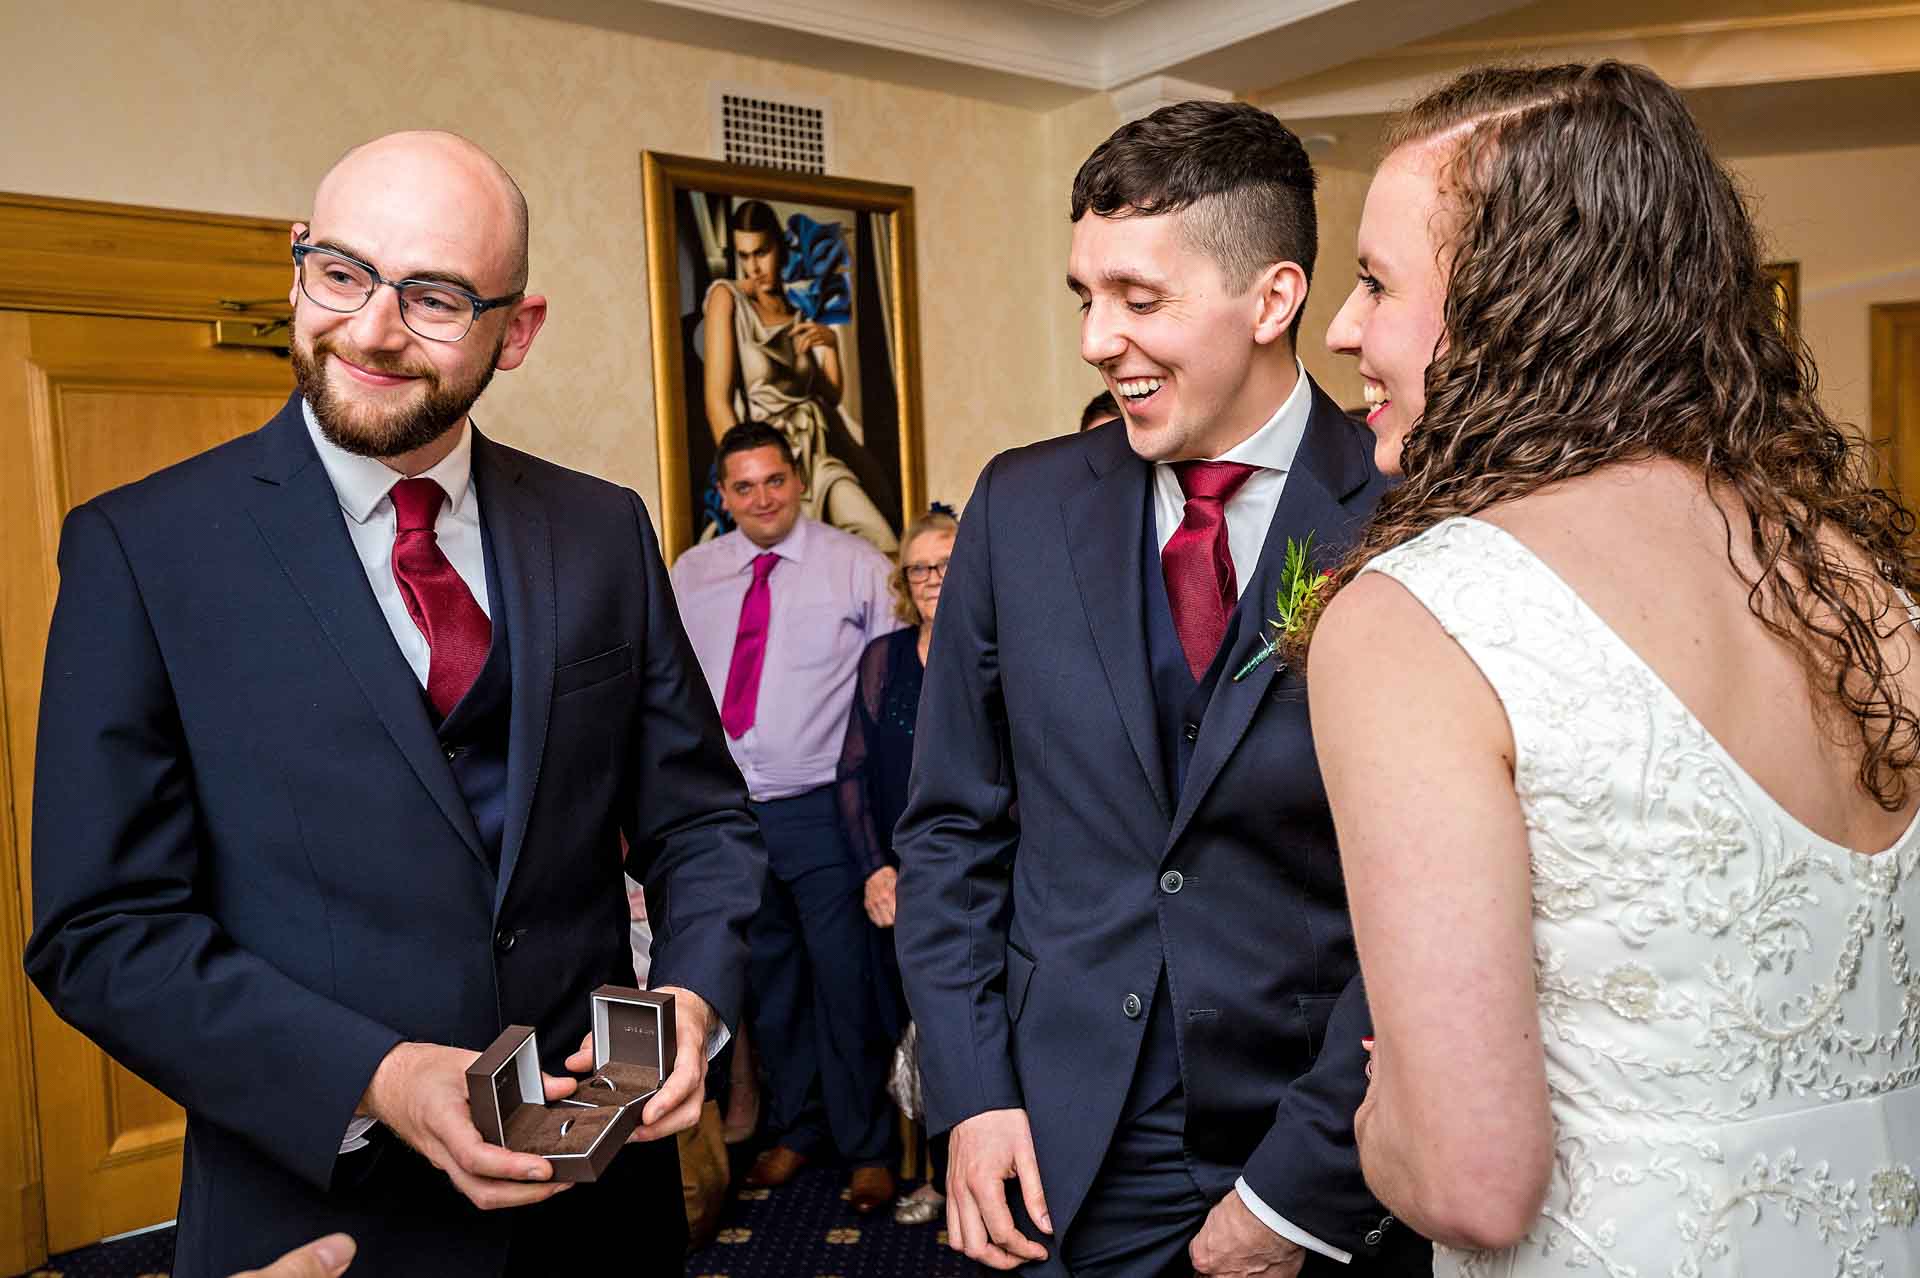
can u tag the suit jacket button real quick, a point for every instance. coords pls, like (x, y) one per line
(1191, 732)
(503, 940)
(1131, 1006)
(452, 753)
(1373, 1237)
(1172, 881)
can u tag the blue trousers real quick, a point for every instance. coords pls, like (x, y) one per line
(815, 1018)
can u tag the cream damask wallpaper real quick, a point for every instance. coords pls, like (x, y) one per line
(234, 108)
(223, 107)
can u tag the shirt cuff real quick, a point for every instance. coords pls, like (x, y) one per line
(1285, 1228)
(356, 1138)
(718, 1037)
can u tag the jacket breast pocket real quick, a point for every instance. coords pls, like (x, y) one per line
(1019, 976)
(576, 676)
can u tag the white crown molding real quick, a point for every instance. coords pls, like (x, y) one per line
(1016, 38)
(1144, 97)
(1055, 41)
(1090, 8)
(1655, 31)
(1689, 58)
(1148, 41)
(1303, 59)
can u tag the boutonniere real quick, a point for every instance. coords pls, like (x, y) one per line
(1302, 592)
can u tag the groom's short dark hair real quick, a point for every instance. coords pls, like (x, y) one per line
(1243, 173)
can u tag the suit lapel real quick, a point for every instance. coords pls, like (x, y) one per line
(298, 513)
(516, 524)
(1331, 467)
(1104, 542)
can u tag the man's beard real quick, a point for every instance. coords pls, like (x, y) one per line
(370, 432)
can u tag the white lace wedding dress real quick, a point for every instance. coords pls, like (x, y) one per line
(1730, 1013)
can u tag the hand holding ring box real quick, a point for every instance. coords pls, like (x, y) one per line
(633, 1050)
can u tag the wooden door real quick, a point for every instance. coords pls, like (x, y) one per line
(1896, 392)
(89, 402)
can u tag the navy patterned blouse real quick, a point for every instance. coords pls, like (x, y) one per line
(877, 759)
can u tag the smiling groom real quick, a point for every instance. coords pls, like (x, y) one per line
(1137, 989)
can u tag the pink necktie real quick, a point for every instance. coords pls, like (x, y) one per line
(749, 651)
(457, 632)
(1196, 562)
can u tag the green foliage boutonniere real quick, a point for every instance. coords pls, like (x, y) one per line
(1302, 592)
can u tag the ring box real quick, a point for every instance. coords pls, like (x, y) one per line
(633, 1050)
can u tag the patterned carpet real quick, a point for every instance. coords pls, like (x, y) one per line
(804, 1229)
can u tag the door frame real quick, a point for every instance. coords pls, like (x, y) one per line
(1895, 431)
(86, 257)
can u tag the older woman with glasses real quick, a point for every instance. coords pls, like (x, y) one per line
(875, 765)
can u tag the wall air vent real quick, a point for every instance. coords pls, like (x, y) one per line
(775, 131)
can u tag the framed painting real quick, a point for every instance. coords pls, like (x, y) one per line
(789, 299)
(1785, 277)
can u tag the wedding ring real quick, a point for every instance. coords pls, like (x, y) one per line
(566, 1126)
(603, 1081)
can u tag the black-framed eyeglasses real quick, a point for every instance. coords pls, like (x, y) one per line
(917, 573)
(433, 309)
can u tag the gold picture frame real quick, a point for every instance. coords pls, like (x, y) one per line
(690, 206)
(1785, 277)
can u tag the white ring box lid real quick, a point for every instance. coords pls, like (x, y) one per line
(633, 1026)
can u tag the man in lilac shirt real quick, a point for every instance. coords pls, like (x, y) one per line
(779, 612)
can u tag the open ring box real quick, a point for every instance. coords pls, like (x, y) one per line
(633, 1050)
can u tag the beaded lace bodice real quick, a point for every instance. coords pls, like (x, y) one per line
(1730, 1014)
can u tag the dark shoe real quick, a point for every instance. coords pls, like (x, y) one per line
(775, 1166)
(872, 1187)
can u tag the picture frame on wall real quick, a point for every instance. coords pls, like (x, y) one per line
(1785, 277)
(791, 299)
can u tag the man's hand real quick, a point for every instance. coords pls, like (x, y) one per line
(880, 895)
(1234, 1244)
(322, 1258)
(419, 1092)
(983, 1152)
(676, 1106)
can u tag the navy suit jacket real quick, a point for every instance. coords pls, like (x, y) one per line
(254, 872)
(1025, 932)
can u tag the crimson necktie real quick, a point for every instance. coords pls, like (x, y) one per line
(749, 651)
(1196, 562)
(457, 632)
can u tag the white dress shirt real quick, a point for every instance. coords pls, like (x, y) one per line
(1249, 515)
(364, 486)
(1250, 512)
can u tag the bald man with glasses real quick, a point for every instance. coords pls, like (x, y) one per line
(344, 724)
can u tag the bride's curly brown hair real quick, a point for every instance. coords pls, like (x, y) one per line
(1605, 303)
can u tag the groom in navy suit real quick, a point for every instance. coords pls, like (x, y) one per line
(1122, 923)
(344, 724)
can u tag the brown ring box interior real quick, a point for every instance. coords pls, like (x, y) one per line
(633, 1043)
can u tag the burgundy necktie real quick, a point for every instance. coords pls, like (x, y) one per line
(749, 651)
(1196, 562)
(457, 632)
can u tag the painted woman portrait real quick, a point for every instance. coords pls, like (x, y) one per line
(766, 360)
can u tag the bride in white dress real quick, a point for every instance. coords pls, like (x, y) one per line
(1617, 706)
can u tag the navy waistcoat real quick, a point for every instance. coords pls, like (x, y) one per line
(1179, 708)
(474, 737)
